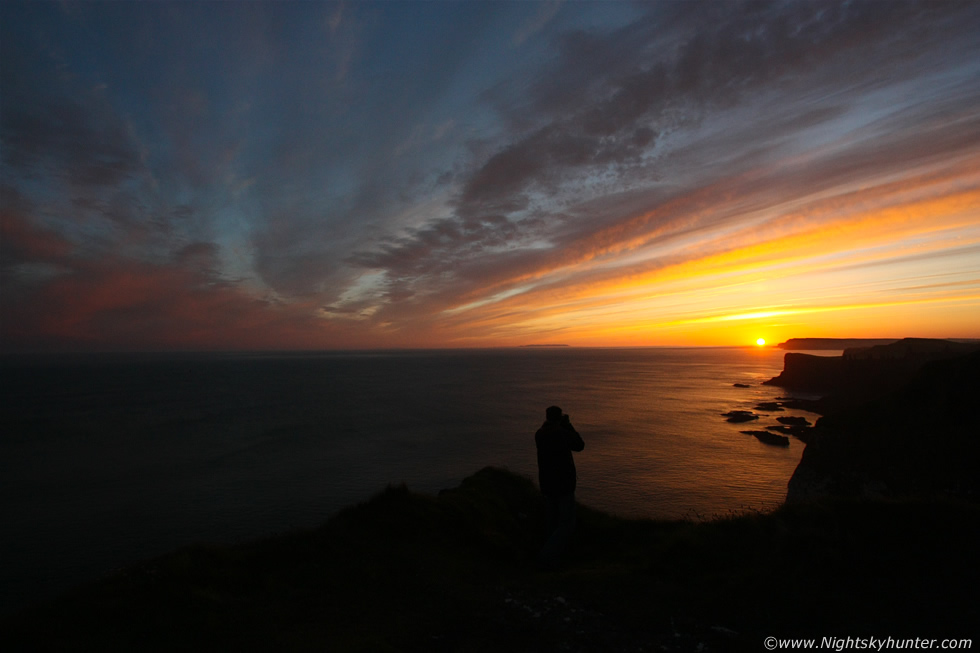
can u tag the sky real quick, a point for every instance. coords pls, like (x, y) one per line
(335, 175)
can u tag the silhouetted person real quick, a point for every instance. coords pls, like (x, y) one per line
(556, 440)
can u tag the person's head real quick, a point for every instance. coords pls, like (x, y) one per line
(553, 414)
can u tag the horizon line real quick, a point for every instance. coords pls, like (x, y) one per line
(342, 350)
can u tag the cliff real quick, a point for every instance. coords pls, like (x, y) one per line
(809, 373)
(862, 374)
(919, 440)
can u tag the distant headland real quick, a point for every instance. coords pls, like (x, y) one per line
(816, 344)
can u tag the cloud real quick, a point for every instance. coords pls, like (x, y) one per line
(609, 101)
(80, 140)
(57, 295)
(547, 10)
(114, 303)
(395, 174)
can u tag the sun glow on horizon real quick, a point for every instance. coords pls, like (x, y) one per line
(761, 342)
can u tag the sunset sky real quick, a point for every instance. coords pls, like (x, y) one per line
(307, 175)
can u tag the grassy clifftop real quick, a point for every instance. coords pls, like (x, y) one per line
(455, 572)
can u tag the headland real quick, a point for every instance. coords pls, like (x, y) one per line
(899, 421)
(817, 344)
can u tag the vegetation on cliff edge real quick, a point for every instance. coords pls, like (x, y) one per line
(456, 572)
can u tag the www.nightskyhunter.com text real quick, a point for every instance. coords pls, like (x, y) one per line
(867, 644)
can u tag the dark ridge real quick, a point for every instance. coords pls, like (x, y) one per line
(454, 572)
(816, 344)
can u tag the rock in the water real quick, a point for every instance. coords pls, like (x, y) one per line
(769, 437)
(801, 433)
(742, 385)
(769, 406)
(793, 421)
(737, 416)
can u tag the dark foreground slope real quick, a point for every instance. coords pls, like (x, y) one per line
(455, 573)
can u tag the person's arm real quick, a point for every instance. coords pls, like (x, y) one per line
(575, 441)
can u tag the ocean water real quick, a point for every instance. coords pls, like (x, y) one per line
(108, 460)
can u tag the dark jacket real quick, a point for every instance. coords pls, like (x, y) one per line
(556, 470)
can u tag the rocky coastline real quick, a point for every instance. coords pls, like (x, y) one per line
(862, 374)
(898, 421)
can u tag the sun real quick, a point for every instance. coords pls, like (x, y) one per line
(761, 342)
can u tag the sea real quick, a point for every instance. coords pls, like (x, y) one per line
(107, 460)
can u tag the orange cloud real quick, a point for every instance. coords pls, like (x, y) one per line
(712, 282)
